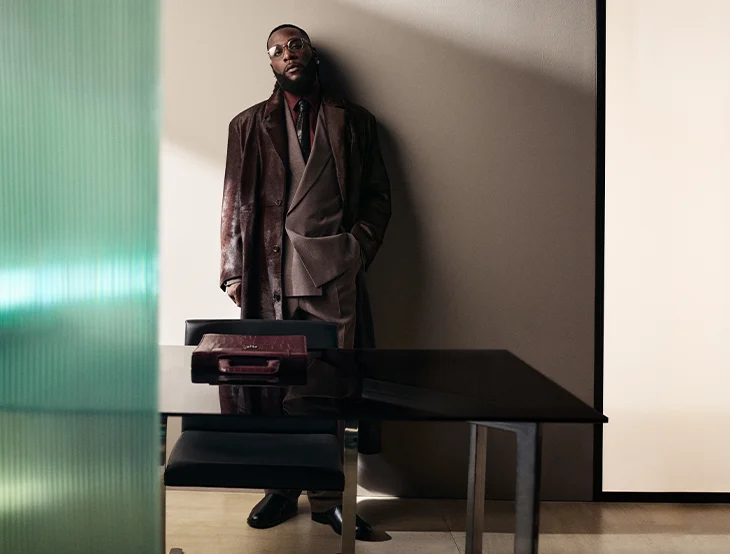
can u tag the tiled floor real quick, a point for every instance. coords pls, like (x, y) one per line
(214, 522)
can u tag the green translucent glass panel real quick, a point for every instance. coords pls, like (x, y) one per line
(78, 483)
(78, 301)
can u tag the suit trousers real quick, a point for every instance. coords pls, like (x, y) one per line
(335, 305)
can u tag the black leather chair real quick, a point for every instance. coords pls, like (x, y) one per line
(320, 335)
(257, 452)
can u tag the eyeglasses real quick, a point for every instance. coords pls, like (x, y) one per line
(293, 45)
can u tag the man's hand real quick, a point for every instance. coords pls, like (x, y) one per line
(234, 291)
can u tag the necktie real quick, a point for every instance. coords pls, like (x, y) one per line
(303, 128)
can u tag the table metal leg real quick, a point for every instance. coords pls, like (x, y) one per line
(163, 490)
(476, 488)
(527, 490)
(349, 496)
(527, 494)
(163, 460)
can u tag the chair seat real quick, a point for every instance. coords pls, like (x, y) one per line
(256, 460)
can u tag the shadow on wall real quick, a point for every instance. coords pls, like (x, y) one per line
(491, 242)
(402, 293)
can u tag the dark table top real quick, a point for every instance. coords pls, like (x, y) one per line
(407, 385)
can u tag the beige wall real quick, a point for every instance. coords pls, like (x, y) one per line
(487, 114)
(667, 300)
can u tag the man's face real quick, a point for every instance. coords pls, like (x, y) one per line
(291, 66)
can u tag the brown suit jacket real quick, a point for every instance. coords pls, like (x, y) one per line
(254, 207)
(317, 248)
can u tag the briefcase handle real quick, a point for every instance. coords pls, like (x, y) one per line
(263, 367)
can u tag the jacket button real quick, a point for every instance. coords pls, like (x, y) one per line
(277, 297)
(278, 202)
(276, 249)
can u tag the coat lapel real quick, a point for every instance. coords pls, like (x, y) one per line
(274, 124)
(313, 170)
(334, 115)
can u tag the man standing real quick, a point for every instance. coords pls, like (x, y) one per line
(306, 203)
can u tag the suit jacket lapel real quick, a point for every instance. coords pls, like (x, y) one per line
(274, 124)
(334, 115)
(317, 161)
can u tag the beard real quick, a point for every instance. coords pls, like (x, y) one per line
(301, 86)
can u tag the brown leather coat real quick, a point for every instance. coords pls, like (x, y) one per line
(254, 198)
(254, 207)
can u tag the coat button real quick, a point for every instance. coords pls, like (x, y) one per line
(278, 202)
(276, 249)
(277, 297)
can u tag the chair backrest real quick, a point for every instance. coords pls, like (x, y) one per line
(320, 335)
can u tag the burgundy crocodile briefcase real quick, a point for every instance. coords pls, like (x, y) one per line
(249, 354)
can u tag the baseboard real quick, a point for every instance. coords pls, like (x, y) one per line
(666, 497)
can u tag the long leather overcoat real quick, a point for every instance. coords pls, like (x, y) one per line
(254, 206)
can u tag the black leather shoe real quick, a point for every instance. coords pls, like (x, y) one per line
(271, 511)
(333, 518)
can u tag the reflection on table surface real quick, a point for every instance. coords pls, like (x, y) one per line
(459, 385)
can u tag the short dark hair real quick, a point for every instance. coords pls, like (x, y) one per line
(286, 25)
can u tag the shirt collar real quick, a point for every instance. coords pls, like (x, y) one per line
(313, 98)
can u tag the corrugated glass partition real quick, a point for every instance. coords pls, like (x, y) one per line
(78, 232)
